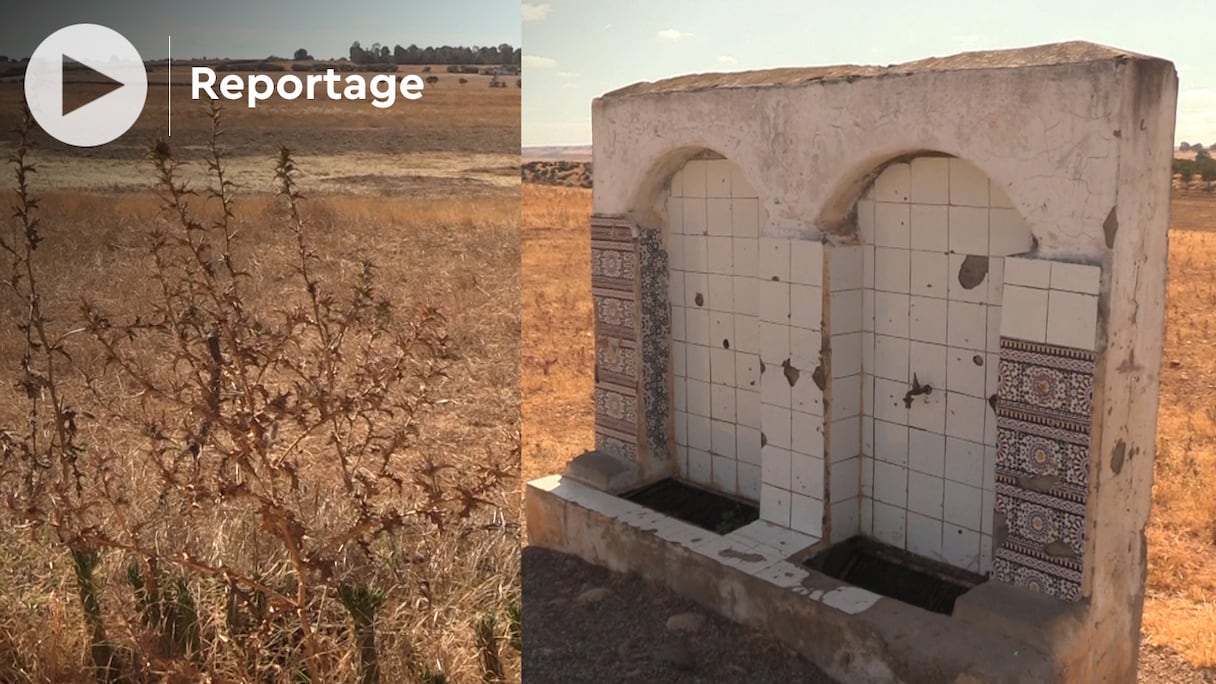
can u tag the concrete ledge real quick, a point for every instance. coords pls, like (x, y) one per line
(852, 634)
(602, 471)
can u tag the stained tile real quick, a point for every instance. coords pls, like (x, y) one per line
(700, 467)
(1024, 312)
(775, 466)
(961, 547)
(739, 185)
(967, 371)
(846, 396)
(1028, 272)
(722, 330)
(725, 474)
(930, 228)
(929, 271)
(1072, 319)
(747, 407)
(748, 481)
(845, 439)
(1008, 232)
(717, 177)
(774, 302)
(888, 401)
(718, 217)
(845, 355)
(806, 262)
(775, 505)
(808, 475)
(846, 312)
(930, 180)
(927, 366)
(964, 462)
(805, 395)
(891, 442)
(927, 319)
(745, 255)
(924, 536)
(891, 358)
(969, 230)
(965, 416)
(1081, 278)
(722, 406)
(846, 519)
(775, 424)
(697, 362)
(746, 290)
(967, 325)
(698, 400)
(962, 505)
(745, 217)
(747, 444)
(846, 479)
(891, 269)
(995, 281)
(865, 220)
(968, 185)
(891, 314)
(890, 484)
(926, 452)
(774, 260)
(747, 371)
(894, 184)
(891, 223)
(774, 342)
(806, 515)
(774, 387)
(808, 434)
(747, 334)
(806, 306)
(720, 255)
(890, 524)
(700, 435)
(845, 267)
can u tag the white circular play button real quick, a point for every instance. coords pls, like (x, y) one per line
(86, 56)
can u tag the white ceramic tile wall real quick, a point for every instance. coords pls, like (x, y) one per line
(1052, 302)
(744, 308)
(940, 236)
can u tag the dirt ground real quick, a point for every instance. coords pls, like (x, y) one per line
(1179, 628)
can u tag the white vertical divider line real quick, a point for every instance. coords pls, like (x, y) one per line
(169, 86)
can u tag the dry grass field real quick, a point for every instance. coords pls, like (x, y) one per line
(1179, 610)
(428, 191)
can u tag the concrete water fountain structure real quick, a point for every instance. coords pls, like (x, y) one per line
(905, 325)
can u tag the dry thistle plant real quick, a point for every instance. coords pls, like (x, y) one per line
(256, 467)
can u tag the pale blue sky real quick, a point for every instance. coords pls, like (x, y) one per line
(236, 28)
(576, 50)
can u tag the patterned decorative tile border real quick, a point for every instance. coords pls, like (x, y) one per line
(614, 289)
(654, 311)
(1044, 406)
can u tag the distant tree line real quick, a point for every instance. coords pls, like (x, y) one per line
(1202, 166)
(501, 55)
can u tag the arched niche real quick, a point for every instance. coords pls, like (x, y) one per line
(930, 233)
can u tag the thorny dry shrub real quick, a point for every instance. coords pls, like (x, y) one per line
(240, 488)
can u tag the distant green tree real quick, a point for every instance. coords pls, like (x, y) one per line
(301, 55)
(1207, 171)
(1185, 146)
(1185, 168)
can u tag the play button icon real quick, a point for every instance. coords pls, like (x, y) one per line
(108, 85)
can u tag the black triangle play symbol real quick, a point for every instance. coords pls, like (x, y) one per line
(90, 85)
